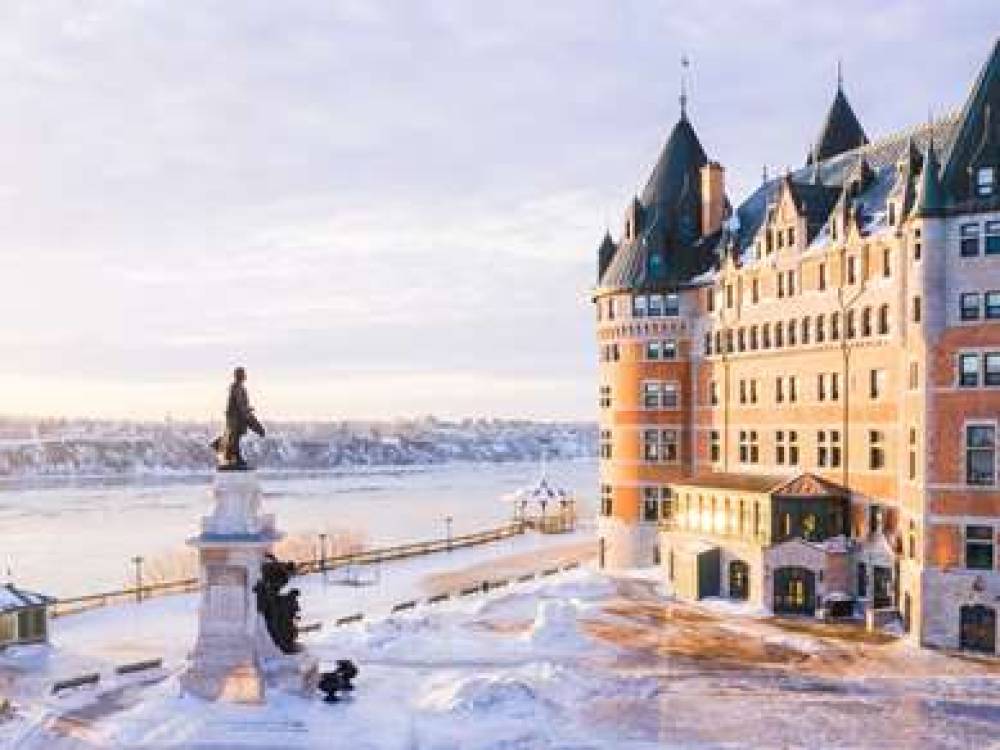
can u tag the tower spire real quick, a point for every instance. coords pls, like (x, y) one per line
(840, 74)
(685, 64)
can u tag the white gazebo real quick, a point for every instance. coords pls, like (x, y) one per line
(544, 506)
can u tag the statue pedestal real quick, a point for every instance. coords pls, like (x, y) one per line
(234, 657)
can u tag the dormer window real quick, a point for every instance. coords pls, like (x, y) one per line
(986, 181)
(892, 213)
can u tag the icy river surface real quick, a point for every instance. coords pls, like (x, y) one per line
(78, 537)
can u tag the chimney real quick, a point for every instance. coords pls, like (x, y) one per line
(713, 197)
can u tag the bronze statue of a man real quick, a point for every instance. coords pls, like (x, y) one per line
(239, 418)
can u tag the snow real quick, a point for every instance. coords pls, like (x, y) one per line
(577, 661)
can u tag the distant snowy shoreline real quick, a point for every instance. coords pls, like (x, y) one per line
(77, 451)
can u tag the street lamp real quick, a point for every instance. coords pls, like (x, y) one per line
(137, 561)
(447, 523)
(322, 553)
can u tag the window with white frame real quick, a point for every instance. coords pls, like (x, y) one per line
(659, 395)
(970, 305)
(968, 240)
(993, 237)
(650, 504)
(671, 305)
(749, 447)
(992, 307)
(659, 446)
(980, 547)
(980, 454)
(968, 370)
(991, 368)
(661, 350)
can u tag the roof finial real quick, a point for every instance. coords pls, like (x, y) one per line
(840, 74)
(930, 125)
(685, 64)
(763, 175)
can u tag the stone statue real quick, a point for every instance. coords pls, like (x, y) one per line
(239, 418)
(280, 611)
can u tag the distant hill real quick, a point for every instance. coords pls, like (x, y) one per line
(67, 447)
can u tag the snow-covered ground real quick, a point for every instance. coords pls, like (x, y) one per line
(574, 661)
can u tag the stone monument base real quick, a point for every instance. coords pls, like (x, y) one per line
(234, 658)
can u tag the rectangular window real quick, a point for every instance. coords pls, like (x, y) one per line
(605, 500)
(834, 386)
(714, 446)
(651, 394)
(744, 447)
(655, 305)
(781, 285)
(793, 390)
(650, 504)
(852, 270)
(753, 391)
(876, 450)
(969, 304)
(670, 395)
(606, 443)
(779, 447)
(980, 455)
(671, 305)
(755, 291)
(979, 547)
(779, 391)
(791, 279)
(917, 313)
(821, 387)
(668, 349)
(605, 397)
(828, 449)
(969, 240)
(640, 305)
(914, 376)
(993, 305)
(713, 393)
(822, 276)
(968, 370)
(876, 384)
(886, 265)
(710, 300)
(993, 237)
(653, 350)
(743, 391)
(754, 447)
(913, 456)
(659, 446)
(991, 375)
(729, 296)
(985, 181)
(793, 448)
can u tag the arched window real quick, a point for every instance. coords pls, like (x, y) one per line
(883, 320)
(805, 330)
(834, 326)
(820, 329)
(866, 322)
(791, 332)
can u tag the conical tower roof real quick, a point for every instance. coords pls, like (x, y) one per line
(841, 131)
(682, 156)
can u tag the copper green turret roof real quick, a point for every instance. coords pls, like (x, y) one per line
(930, 198)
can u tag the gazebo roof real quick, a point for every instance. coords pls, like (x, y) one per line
(542, 491)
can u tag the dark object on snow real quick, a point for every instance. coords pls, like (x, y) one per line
(280, 611)
(338, 681)
(239, 419)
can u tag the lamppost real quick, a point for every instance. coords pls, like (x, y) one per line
(447, 524)
(137, 561)
(322, 553)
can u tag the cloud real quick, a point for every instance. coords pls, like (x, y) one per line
(363, 186)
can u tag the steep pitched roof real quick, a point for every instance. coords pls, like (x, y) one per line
(605, 253)
(973, 126)
(930, 195)
(682, 157)
(841, 131)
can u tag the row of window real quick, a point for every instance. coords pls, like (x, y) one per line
(971, 305)
(786, 448)
(655, 351)
(827, 387)
(969, 244)
(978, 368)
(756, 337)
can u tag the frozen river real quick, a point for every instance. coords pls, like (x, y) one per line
(77, 538)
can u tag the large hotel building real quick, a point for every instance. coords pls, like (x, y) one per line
(800, 395)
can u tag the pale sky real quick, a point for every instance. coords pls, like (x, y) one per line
(384, 208)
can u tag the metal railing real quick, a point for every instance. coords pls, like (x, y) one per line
(77, 604)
